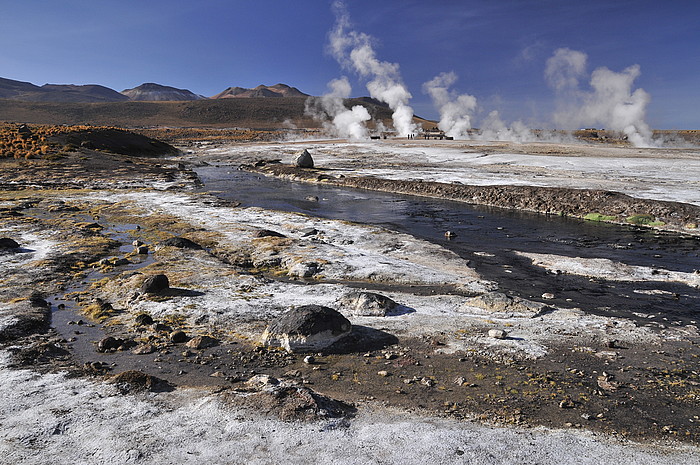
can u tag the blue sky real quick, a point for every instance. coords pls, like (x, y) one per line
(498, 48)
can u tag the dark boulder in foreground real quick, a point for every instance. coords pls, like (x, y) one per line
(367, 304)
(155, 284)
(303, 159)
(307, 328)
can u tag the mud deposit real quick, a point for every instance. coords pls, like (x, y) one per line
(516, 320)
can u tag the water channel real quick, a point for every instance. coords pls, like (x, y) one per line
(489, 238)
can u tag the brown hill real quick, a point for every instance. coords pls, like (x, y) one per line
(262, 91)
(151, 92)
(223, 113)
(26, 91)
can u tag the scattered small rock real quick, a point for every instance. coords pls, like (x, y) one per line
(180, 243)
(261, 381)
(109, 344)
(141, 250)
(548, 296)
(267, 233)
(450, 235)
(201, 342)
(178, 337)
(383, 373)
(460, 381)
(303, 159)
(497, 334)
(7, 243)
(567, 403)
(144, 349)
(311, 198)
(143, 319)
(135, 381)
(155, 284)
(309, 359)
(303, 270)
(308, 232)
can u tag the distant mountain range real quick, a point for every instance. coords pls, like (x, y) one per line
(28, 92)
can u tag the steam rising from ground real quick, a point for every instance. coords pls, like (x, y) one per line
(353, 50)
(455, 110)
(611, 103)
(344, 123)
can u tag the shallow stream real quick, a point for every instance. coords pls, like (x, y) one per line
(489, 238)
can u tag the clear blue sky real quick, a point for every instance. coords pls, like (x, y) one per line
(497, 47)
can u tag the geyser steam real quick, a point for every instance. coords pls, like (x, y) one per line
(611, 103)
(354, 50)
(344, 122)
(455, 110)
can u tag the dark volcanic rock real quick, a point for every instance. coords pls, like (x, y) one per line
(180, 243)
(135, 381)
(303, 159)
(7, 243)
(267, 233)
(307, 328)
(178, 337)
(155, 284)
(143, 319)
(201, 342)
(109, 344)
(367, 304)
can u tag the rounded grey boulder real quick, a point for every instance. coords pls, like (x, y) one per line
(303, 160)
(367, 304)
(307, 328)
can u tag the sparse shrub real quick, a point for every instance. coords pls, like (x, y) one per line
(599, 217)
(644, 220)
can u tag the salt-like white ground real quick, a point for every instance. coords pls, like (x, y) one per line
(662, 174)
(49, 419)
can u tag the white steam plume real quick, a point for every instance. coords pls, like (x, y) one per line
(343, 122)
(354, 50)
(611, 103)
(493, 128)
(455, 110)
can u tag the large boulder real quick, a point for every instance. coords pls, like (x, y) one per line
(308, 328)
(303, 159)
(367, 304)
(8, 244)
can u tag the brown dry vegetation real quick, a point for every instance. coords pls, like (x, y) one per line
(43, 141)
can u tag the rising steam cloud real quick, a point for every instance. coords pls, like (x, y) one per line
(348, 123)
(455, 110)
(611, 103)
(353, 50)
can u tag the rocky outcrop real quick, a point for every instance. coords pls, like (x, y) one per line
(23, 318)
(498, 302)
(307, 328)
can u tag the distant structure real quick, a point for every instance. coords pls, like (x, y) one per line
(435, 133)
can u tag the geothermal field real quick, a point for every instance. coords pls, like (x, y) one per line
(265, 276)
(479, 332)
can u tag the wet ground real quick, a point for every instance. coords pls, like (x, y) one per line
(488, 238)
